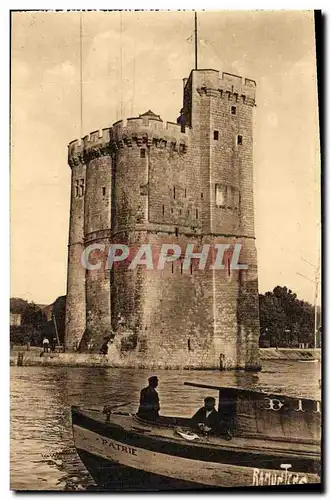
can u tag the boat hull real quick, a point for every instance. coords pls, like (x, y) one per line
(112, 476)
(119, 461)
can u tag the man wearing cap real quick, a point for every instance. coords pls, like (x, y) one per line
(181, 120)
(207, 419)
(149, 406)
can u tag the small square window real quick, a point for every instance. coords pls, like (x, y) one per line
(229, 196)
(82, 187)
(236, 198)
(143, 153)
(77, 188)
(215, 135)
(220, 195)
(233, 110)
(239, 140)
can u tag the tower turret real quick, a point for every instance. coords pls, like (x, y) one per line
(75, 302)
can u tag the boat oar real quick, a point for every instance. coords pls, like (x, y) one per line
(110, 407)
(107, 409)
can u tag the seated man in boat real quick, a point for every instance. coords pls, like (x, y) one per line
(149, 406)
(208, 420)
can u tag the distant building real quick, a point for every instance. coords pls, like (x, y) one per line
(48, 311)
(15, 319)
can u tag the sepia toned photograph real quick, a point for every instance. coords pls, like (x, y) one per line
(166, 325)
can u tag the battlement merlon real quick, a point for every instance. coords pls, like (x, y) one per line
(222, 83)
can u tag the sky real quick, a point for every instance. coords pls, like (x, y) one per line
(275, 48)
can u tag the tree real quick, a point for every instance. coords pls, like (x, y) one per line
(272, 318)
(285, 321)
(33, 316)
(17, 305)
(33, 320)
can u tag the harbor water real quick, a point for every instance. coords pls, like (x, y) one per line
(43, 456)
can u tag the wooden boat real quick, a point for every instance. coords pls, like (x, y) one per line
(276, 441)
(308, 357)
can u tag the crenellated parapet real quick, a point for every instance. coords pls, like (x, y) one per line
(150, 132)
(235, 85)
(91, 146)
(224, 85)
(97, 144)
(134, 131)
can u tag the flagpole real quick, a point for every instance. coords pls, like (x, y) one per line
(196, 39)
(316, 282)
(81, 70)
(121, 68)
(133, 86)
(315, 299)
(56, 330)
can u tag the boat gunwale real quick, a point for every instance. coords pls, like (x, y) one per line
(247, 390)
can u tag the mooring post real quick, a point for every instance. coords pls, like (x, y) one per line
(20, 358)
(222, 358)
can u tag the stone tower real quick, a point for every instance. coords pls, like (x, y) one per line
(185, 183)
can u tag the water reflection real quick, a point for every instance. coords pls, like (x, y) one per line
(43, 456)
